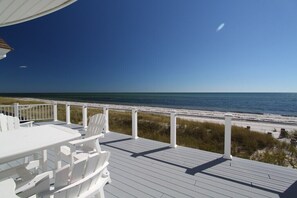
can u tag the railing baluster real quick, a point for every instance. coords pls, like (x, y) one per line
(68, 113)
(30, 113)
(16, 109)
(27, 112)
(85, 116)
(42, 111)
(55, 111)
(46, 112)
(106, 112)
(34, 112)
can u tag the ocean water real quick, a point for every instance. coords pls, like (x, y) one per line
(260, 103)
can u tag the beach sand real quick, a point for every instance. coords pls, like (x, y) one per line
(257, 122)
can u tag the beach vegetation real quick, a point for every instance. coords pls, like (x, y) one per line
(9, 101)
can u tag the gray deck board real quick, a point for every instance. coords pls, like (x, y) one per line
(241, 179)
(147, 168)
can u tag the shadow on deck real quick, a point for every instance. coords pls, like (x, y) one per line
(146, 168)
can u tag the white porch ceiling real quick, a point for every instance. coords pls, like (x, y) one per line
(18, 11)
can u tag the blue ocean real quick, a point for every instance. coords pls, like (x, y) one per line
(259, 103)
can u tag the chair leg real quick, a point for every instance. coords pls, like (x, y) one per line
(100, 194)
(106, 174)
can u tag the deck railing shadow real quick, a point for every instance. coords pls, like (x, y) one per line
(290, 192)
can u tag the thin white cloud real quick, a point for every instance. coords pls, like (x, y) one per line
(220, 27)
(23, 66)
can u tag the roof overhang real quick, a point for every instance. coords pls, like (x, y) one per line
(18, 11)
(4, 49)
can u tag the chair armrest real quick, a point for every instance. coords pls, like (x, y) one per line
(19, 170)
(28, 123)
(88, 139)
(36, 181)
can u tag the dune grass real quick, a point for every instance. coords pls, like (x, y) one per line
(9, 101)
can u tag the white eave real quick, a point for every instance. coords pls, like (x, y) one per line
(18, 11)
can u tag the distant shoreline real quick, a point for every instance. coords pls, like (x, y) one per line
(258, 122)
(247, 103)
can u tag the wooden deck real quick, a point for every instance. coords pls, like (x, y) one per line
(146, 168)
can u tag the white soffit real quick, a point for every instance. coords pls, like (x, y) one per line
(18, 11)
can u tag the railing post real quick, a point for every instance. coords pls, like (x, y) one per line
(134, 124)
(173, 129)
(85, 116)
(227, 144)
(105, 112)
(16, 109)
(55, 111)
(68, 113)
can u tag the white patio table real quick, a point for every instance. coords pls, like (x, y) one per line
(27, 141)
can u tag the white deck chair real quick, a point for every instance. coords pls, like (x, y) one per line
(96, 125)
(92, 182)
(95, 128)
(8, 123)
(18, 124)
(90, 143)
(85, 178)
(3, 123)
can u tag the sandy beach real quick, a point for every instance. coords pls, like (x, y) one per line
(257, 122)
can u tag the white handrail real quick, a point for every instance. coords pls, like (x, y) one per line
(50, 112)
(30, 112)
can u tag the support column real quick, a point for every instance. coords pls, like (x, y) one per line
(173, 130)
(106, 112)
(68, 113)
(16, 109)
(85, 116)
(227, 144)
(55, 111)
(134, 124)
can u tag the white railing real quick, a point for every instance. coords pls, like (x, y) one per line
(173, 115)
(32, 112)
(7, 110)
(36, 112)
(50, 112)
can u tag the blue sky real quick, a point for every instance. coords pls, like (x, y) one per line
(155, 46)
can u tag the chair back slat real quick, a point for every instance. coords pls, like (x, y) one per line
(16, 123)
(10, 123)
(103, 158)
(62, 176)
(77, 172)
(90, 168)
(3, 123)
(91, 164)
